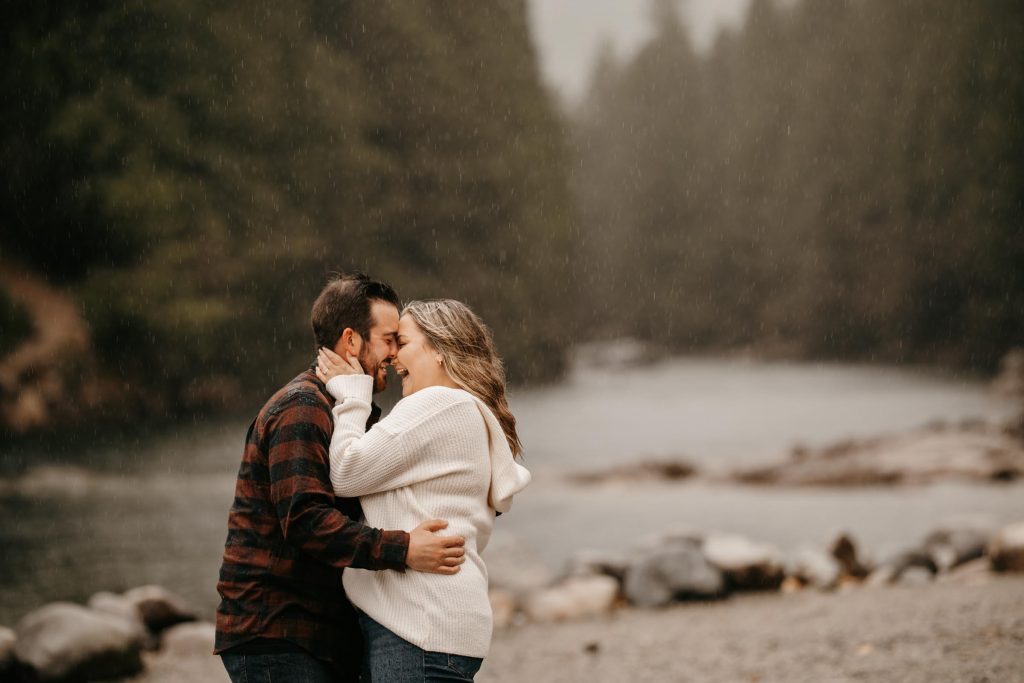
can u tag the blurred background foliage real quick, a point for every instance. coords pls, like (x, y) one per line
(836, 179)
(191, 170)
(15, 324)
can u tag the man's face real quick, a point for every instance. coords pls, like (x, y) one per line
(380, 349)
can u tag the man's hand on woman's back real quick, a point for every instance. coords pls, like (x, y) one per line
(435, 554)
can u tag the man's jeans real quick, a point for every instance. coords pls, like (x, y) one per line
(280, 667)
(391, 659)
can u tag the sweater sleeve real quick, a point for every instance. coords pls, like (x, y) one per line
(404, 448)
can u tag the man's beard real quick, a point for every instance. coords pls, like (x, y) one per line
(371, 366)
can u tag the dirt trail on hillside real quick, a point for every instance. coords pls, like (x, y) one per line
(28, 375)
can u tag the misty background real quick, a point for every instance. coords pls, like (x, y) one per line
(770, 226)
(810, 180)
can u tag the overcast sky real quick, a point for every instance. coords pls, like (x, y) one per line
(567, 33)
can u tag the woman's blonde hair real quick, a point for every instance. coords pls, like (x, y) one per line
(467, 350)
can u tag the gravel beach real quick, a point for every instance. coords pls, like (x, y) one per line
(925, 633)
(940, 631)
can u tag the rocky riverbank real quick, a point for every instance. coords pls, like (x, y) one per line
(609, 603)
(956, 630)
(690, 566)
(970, 451)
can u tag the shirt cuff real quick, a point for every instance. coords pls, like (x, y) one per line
(351, 386)
(394, 549)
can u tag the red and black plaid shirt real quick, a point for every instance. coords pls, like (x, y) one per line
(289, 538)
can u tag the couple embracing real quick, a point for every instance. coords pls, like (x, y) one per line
(353, 546)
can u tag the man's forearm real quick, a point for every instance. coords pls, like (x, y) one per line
(323, 532)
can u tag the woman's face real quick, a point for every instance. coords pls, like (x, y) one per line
(417, 363)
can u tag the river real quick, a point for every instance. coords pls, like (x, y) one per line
(153, 510)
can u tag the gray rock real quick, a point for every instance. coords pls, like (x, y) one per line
(915, 576)
(892, 569)
(192, 639)
(159, 608)
(62, 641)
(118, 605)
(677, 572)
(1006, 551)
(957, 542)
(593, 562)
(744, 564)
(816, 568)
(575, 597)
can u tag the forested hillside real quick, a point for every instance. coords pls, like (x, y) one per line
(836, 179)
(189, 171)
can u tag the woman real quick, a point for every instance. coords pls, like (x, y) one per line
(447, 450)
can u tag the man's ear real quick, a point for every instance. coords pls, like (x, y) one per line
(350, 341)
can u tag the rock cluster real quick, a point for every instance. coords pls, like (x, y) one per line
(692, 566)
(970, 451)
(63, 641)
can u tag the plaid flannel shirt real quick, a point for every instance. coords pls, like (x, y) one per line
(289, 538)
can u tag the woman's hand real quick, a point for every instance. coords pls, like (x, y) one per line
(329, 364)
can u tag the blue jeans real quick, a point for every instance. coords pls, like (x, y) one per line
(390, 659)
(280, 667)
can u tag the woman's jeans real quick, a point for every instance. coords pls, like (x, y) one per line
(390, 659)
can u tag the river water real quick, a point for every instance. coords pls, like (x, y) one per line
(153, 510)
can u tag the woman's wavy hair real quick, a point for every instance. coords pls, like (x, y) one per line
(467, 350)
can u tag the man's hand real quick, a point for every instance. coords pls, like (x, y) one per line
(435, 554)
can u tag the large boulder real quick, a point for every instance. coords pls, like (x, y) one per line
(159, 608)
(678, 571)
(118, 605)
(62, 642)
(191, 639)
(1006, 551)
(746, 565)
(573, 598)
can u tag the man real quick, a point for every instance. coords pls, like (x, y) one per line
(283, 614)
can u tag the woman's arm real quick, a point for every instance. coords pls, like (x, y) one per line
(414, 443)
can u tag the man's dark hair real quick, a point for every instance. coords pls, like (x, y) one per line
(345, 302)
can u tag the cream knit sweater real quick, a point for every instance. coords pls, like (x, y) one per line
(440, 454)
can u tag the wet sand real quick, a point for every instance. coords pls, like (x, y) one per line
(926, 633)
